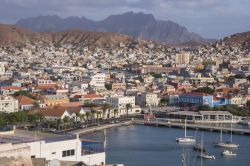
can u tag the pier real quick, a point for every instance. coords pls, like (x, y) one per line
(192, 126)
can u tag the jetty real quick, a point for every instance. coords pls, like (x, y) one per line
(204, 127)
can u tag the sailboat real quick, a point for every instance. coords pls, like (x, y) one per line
(227, 144)
(186, 139)
(202, 154)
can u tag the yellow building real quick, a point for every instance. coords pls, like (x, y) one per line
(54, 100)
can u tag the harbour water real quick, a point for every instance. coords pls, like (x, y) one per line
(156, 146)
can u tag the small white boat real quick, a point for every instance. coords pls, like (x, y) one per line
(228, 153)
(186, 139)
(206, 156)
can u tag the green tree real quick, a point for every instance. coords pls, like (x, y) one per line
(115, 111)
(204, 108)
(207, 90)
(66, 119)
(164, 101)
(106, 107)
(24, 93)
(108, 86)
(128, 106)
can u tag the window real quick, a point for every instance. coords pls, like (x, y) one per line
(66, 153)
(72, 152)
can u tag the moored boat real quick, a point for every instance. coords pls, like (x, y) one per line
(199, 148)
(228, 153)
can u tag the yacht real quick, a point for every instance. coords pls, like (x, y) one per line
(230, 144)
(202, 155)
(228, 153)
(185, 139)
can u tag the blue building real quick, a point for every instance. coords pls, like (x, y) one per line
(196, 99)
(10, 83)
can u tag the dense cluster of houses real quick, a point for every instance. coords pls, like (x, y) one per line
(62, 81)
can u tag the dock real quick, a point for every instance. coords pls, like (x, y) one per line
(192, 126)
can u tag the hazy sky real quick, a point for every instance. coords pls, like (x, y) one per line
(210, 18)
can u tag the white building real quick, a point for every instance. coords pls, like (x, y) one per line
(146, 99)
(96, 81)
(120, 102)
(68, 148)
(8, 104)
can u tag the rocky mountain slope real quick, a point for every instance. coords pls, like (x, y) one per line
(10, 35)
(138, 25)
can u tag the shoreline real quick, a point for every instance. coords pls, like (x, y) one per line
(81, 132)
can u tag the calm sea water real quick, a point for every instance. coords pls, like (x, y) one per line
(156, 146)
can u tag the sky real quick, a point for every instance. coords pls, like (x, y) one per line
(209, 18)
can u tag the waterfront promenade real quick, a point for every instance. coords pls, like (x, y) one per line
(193, 126)
(99, 128)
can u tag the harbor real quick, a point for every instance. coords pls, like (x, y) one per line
(139, 145)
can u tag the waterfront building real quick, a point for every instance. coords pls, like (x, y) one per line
(8, 104)
(197, 99)
(121, 101)
(203, 116)
(146, 99)
(66, 148)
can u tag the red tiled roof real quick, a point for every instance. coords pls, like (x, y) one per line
(71, 104)
(54, 112)
(11, 88)
(89, 96)
(24, 100)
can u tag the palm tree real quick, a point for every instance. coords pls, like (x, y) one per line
(106, 107)
(115, 111)
(98, 113)
(88, 114)
(128, 106)
(82, 117)
(93, 112)
(78, 115)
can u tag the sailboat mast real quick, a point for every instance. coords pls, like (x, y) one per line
(185, 128)
(221, 132)
(231, 133)
(201, 146)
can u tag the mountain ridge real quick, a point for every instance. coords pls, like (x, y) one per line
(138, 25)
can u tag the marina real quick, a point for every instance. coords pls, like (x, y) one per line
(138, 145)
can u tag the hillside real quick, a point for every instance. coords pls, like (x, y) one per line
(12, 36)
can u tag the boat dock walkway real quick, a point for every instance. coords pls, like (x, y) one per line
(193, 126)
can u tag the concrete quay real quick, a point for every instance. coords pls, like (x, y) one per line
(192, 126)
(99, 128)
